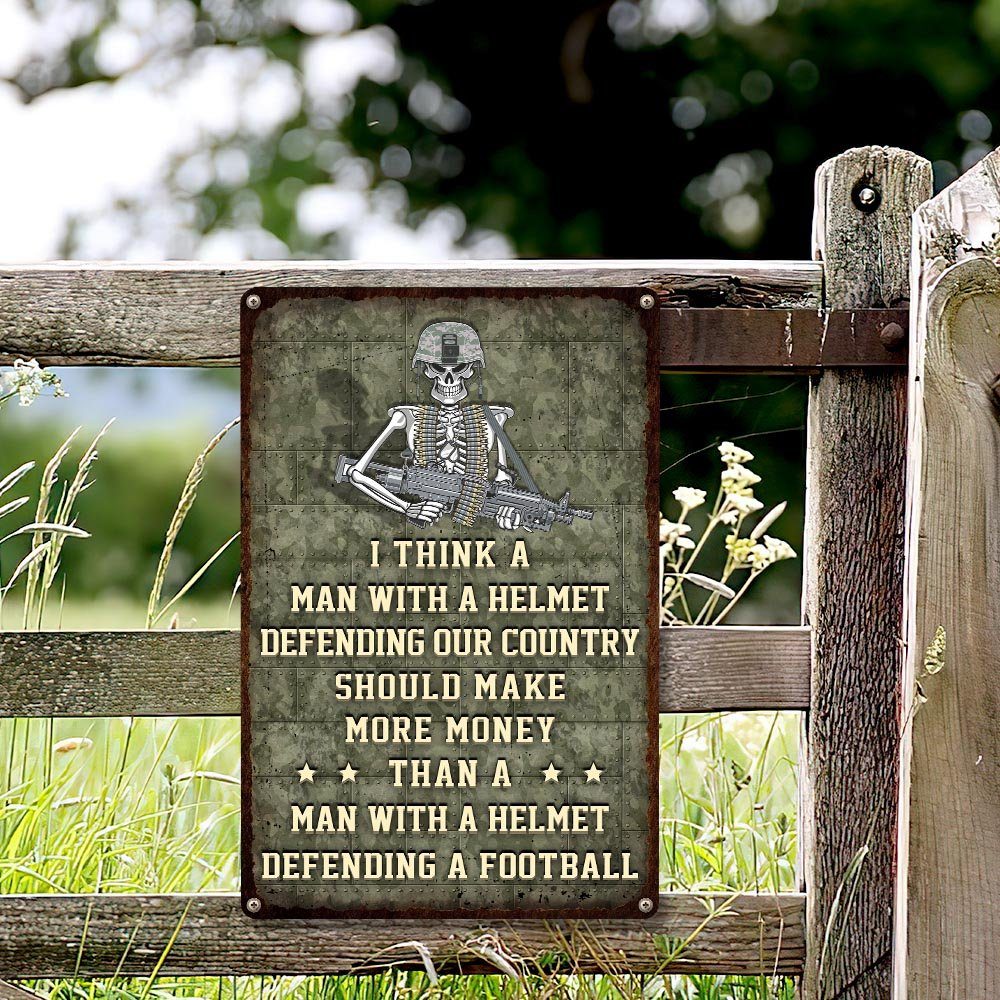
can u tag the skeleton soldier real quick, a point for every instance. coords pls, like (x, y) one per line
(456, 437)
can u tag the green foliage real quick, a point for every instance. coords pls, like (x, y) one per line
(136, 480)
(641, 128)
(127, 805)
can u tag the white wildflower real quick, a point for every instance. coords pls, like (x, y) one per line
(733, 454)
(744, 504)
(670, 531)
(689, 497)
(767, 554)
(778, 548)
(739, 549)
(28, 381)
(729, 517)
(738, 479)
(672, 535)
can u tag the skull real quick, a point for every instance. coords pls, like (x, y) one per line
(449, 381)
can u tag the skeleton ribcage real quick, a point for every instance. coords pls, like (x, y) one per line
(456, 438)
(451, 446)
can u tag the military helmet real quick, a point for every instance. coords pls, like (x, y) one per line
(448, 342)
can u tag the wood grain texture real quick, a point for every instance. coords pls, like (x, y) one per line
(194, 672)
(853, 588)
(734, 669)
(40, 937)
(197, 672)
(188, 313)
(11, 991)
(948, 906)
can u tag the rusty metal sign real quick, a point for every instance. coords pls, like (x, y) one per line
(450, 643)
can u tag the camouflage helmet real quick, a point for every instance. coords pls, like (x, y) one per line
(448, 342)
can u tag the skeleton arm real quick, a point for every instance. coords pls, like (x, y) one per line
(507, 517)
(398, 421)
(502, 414)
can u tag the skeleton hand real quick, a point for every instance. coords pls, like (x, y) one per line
(510, 518)
(425, 513)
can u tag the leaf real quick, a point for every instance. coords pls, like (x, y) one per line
(707, 583)
(13, 505)
(8, 481)
(226, 779)
(767, 520)
(48, 527)
(35, 553)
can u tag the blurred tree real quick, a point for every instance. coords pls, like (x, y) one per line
(628, 128)
(591, 124)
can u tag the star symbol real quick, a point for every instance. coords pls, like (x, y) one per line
(593, 773)
(306, 774)
(347, 773)
(551, 773)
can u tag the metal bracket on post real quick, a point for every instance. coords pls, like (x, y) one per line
(781, 340)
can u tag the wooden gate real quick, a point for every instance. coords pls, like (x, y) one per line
(838, 319)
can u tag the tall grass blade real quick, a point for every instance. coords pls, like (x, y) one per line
(166, 952)
(194, 579)
(189, 493)
(16, 476)
(50, 476)
(9, 508)
(34, 554)
(42, 573)
(848, 882)
(48, 527)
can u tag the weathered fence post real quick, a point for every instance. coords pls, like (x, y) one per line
(853, 584)
(948, 902)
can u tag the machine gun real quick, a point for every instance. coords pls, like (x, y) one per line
(425, 482)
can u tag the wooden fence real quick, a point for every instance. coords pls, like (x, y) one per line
(838, 319)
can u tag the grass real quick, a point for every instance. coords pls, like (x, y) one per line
(152, 805)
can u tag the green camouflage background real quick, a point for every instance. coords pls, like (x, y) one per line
(325, 372)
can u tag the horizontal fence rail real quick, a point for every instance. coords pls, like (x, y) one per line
(188, 314)
(781, 340)
(101, 935)
(197, 672)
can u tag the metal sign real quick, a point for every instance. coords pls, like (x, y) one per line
(450, 645)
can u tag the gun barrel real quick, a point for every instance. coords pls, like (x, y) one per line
(566, 516)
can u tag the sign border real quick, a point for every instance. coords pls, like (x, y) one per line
(257, 906)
